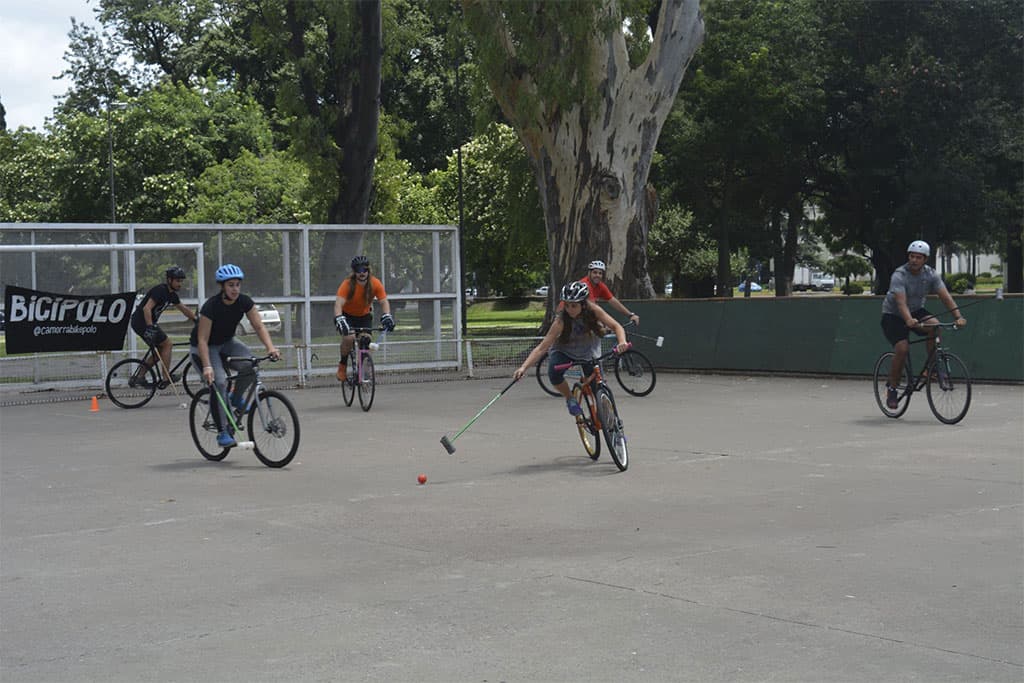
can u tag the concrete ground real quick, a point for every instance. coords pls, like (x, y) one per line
(767, 529)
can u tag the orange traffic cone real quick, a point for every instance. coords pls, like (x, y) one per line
(95, 407)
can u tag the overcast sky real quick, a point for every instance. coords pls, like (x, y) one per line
(33, 38)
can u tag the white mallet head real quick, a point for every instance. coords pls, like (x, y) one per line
(661, 340)
(246, 445)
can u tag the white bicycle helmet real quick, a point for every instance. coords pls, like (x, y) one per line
(575, 291)
(598, 265)
(919, 247)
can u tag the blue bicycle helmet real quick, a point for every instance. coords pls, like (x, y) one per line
(229, 271)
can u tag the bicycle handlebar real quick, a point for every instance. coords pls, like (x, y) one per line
(252, 359)
(580, 361)
(358, 330)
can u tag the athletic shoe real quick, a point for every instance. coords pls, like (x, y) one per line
(573, 406)
(892, 399)
(342, 374)
(225, 440)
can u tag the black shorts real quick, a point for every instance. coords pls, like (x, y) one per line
(140, 329)
(896, 330)
(364, 321)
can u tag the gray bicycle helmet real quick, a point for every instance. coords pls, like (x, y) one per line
(175, 273)
(575, 291)
(360, 262)
(919, 247)
(229, 271)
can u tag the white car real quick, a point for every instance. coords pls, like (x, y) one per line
(270, 316)
(541, 291)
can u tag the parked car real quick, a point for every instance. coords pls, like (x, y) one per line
(270, 316)
(541, 291)
(754, 287)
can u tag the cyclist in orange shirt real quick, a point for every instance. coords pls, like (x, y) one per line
(353, 308)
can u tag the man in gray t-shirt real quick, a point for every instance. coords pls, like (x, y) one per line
(903, 310)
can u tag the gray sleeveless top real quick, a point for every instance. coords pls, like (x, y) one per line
(582, 342)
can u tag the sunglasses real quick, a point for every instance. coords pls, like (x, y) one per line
(361, 270)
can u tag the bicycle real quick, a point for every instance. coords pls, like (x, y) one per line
(599, 416)
(131, 384)
(361, 377)
(944, 377)
(633, 370)
(275, 437)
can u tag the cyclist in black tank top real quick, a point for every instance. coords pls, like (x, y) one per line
(145, 318)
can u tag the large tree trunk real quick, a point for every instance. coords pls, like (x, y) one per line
(592, 160)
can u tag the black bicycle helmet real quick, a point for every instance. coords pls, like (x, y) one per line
(575, 291)
(360, 262)
(175, 273)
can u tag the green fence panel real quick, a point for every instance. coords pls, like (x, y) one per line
(819, 334)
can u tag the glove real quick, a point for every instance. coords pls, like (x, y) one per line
(150, 334)
(387, 322)
(342, 324)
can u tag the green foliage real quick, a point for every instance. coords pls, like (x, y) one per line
(503, 229)
(958, 283)
(852, 288)
(848, 265)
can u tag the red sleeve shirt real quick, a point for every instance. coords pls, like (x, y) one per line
(598, 292)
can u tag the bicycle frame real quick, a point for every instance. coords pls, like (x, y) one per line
(921, 379)
(152, 358)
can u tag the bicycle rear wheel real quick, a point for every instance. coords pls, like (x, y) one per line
(881, 378)
(130, 384)
(635, 373)
(611, 425)
(204, 427)
(542, 377)
(274, 429)
(367, 383)
(949, 388)
(585, 422)
(348, 387)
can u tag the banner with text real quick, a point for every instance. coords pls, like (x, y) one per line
(43, 321)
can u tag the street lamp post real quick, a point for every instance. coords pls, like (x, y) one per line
(110, 163)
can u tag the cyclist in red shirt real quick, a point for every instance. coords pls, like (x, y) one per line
(599, 290)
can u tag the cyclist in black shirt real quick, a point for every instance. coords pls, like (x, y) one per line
(147, 314)
(213, 340)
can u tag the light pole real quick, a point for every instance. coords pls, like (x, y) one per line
(110, 163)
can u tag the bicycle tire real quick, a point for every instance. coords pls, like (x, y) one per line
(189, 389)
(122, 387)
(274, 429)
(611, 425)
(635, 373)
(348, 387)
(585, 422)
(204, 428)
(881, 379)
(367, 384)
(949, 397)
(542, 377)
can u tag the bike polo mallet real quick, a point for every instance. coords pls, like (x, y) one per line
(657, 342)
(167, 372)
(243, 445)
(447, 443)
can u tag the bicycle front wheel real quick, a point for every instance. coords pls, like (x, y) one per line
(635, 373)
(611, 425)
(204, 427)
(585, 422)
(367, 383)
(348, 387)
(130, 384)
(903, 391)
(949, 388)
(542, 377)
(274, 429)
(190, 390)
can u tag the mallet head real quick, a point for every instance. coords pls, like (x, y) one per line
(447, 445)
(661, 340)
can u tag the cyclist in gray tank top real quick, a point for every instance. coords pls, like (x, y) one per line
(903, 310)
(575, 334)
